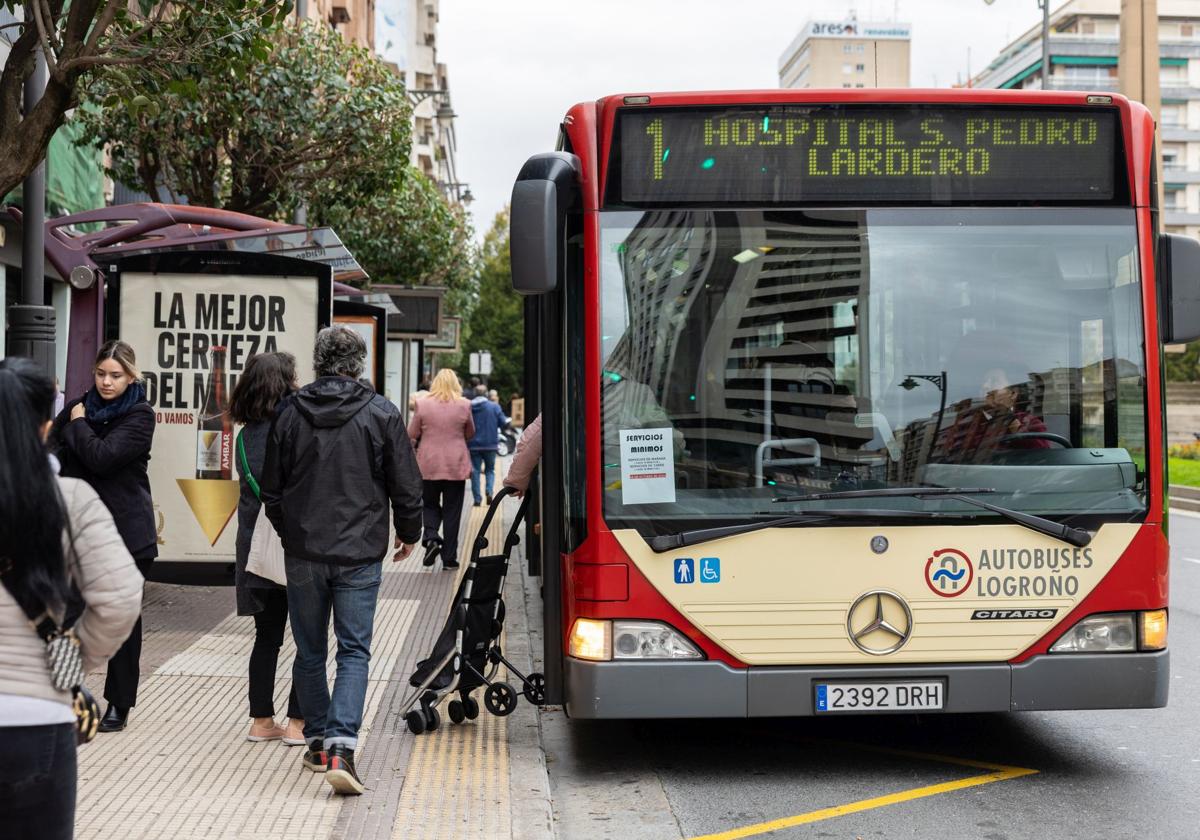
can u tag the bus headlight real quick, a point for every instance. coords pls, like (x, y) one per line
(1109, 633)
(651, 640)
(591, 638)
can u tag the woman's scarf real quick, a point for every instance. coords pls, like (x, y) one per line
(100, 410)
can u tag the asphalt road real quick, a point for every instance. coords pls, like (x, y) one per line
(1111, 774)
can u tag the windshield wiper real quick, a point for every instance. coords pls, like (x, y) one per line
(667, 542)
(1074, 536)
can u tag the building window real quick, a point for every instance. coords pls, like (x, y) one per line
(858, 48)
(845, 84)
(846, 68)
(1172, 156)
(1173, 74)
(859, 68)
(1174, 199)
(1087, 27)
(860, 84)
(1174, 116)
(1087, 72)
(1186, 30)
(848, 48)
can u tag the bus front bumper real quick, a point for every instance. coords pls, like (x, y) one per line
(713, 689)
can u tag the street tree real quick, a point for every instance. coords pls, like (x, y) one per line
(305, 118)
(86, 42)
(410, 235)
(496, 322)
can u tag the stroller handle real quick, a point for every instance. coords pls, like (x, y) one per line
(481, 540)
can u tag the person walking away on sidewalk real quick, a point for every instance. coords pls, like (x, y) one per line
(525, 461)
(268, 379)
(489, 420)
(440, 429)
(104, 438)
(55, 534)
(337, 457)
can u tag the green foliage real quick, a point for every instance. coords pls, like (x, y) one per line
(408, 234)
(497, 321)
(1183, 471)
(131, 51)
(1185, 366)
(296, 114)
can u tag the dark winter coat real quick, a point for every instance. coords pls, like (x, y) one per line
(249, 585)
(113, 457)
(337, 456)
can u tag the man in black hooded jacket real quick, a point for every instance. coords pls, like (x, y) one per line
(337, 457)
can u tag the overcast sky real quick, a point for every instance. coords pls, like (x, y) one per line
(516, 67)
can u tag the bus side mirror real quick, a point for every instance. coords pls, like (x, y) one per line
(545, 189)
(1179, 264)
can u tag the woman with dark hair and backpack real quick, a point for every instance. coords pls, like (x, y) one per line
(268, 380)
(104, 438)
(54, 533)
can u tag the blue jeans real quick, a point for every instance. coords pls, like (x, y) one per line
(483, 461)
(351, 592)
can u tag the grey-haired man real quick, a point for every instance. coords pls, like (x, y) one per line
(337, 458)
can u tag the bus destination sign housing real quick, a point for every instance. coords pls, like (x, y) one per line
(839, 154)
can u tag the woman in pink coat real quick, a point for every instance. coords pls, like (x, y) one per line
(440, 429)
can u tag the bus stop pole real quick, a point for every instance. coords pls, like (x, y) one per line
(31, 323)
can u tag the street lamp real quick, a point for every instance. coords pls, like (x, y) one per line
(461, 192)
(939, 382)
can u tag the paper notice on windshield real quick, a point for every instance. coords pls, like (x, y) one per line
(647, 466)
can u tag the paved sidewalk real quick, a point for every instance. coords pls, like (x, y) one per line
(183, 768)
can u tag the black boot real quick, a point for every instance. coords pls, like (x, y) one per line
(114, 719)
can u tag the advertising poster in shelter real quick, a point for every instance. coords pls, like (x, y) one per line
(193, 335)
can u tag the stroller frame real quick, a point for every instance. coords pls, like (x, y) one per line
(420, 710)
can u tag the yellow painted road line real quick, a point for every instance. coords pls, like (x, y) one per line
(999, 773)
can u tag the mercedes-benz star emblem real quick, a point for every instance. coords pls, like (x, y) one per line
(879, 622)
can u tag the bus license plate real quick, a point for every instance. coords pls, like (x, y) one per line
(880, 696)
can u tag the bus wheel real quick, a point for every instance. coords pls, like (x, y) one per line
(416, 721)
(500, 699)
(535, 689)
(457, 713)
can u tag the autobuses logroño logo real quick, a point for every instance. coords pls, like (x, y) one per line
(949, 572)
(1007, 572)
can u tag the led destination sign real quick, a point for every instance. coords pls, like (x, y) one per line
(802, 154)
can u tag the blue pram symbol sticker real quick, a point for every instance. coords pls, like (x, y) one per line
(685, 570)
(710, 569)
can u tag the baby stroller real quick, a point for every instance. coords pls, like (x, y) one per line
(467, 653)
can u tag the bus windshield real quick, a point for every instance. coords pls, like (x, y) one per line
(754, 355)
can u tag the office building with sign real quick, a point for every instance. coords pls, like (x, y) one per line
(847, 54)
(1084, 45)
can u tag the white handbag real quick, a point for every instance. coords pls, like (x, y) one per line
(266, 549)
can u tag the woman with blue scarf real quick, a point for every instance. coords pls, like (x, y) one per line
(104, 438)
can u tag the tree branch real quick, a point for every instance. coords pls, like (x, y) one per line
(44, 40)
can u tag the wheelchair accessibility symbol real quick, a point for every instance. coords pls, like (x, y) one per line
(710, 569)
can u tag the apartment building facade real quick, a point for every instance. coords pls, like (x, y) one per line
(1084, 45)
(847, 54)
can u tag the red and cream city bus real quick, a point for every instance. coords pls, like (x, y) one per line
(851, 401)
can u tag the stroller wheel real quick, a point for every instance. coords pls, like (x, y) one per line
(500, 699)
(470, 707)
(416, 721)
(535, 689)
(432, 719)
(457, 713)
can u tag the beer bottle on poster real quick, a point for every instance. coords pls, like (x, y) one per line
(214, 431)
